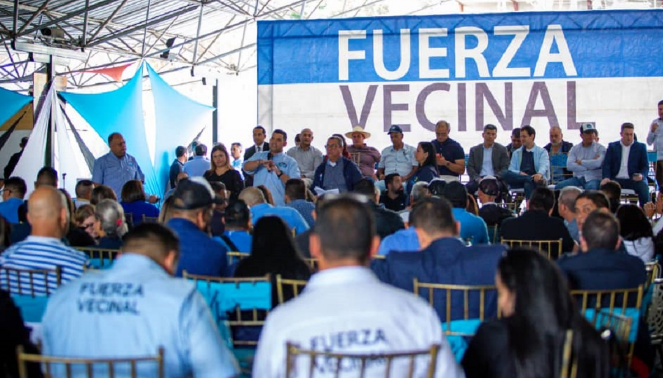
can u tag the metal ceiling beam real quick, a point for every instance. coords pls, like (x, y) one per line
(34, 15)
(68, 16)
(106, 21)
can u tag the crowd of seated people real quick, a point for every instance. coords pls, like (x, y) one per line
(406, 204)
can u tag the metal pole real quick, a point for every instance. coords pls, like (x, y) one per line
(215, 113)
(84, 37)
(147, 17)
(49, 157)
(195, 47)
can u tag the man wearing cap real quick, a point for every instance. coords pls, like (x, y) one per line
(365, 156)
(558, 151)
(193, 203)
(585, 161)
(530, 166)
(273, 168)
(654, 137)
(308, 157)
(450, 154)
(486, 159)
(492, 214)
(472, 228)
(399, 158)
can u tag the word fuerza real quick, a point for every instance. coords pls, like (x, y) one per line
(110, 298)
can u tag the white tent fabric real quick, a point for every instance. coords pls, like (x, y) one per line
(67, 164)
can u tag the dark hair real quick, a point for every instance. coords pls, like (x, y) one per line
(660, 103)
(5, 233)
(492, 127)
(344, 145)
(71, 208)
(598, 199)
(267, 194)
(152, 239)
(180, 151)
(516, 132)
(389, 179)
(543, 312)
(433, 215)
(102, 192)
(436, 187)
(542, 199)
(627, 125)
(601, 230)
(295, 189)
(82, 213)
(273, 245)
(279, 131)
(431, 159)
(16, 185)
(613, 190)
(260, 128)
(237, 214)
(217, 187)
(365, 187)
(236, 144)
(297, 138)
(83, 188)
(530, 130)
(201, 150)
(219, 147)
(346, 227)
(133, 191)
(633, 223)
(111, 136)
(47, 176)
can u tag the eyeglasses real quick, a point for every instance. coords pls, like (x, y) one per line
(330, 146)
(85, 226)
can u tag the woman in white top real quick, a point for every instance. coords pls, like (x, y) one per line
(636, 232)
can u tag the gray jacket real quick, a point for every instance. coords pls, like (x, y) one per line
(475, 161)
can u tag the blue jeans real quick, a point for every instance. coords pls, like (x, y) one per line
(640, 187)
(516, 180)
(580, 182)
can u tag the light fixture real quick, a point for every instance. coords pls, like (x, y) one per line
(169, 44)
(47, 50)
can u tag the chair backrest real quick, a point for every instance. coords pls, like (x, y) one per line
(550, 248)
(653, 272)
(100, 258)
(30, 282)
(619, 327)
(655, 311)
(83, 367)
(569, 367)
(293, 287)
(356, 157)
(150, 219)
(235, 257)
(235, 302)
(333, 363)
(494, 234)
(313, 263)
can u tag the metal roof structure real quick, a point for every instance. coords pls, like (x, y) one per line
(191, 34)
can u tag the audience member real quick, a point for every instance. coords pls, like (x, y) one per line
(266, 193)
(166, 210)
(398, 158)
(237, 160)
(238, 230)
(654, 137)
(626, 162)
(75, 236)
(336, 172)
(254, 198)
(83, 192)
(530, 166)
(273, 168)
(492, 214)
(146, 305)
(110, 224)
(216, 225)
(436, 187)
(613, 191)
(43, 249)
(135, 203)
(487, 159)
(100, 193)
(259, 145)
(516, 142)
(308, 157)
(14, 334)
(558, 151)
(13, 160)
(222, 171)
(528, 339)
(537, 224)
(406, 239)
(193, 202)
(473, 229)
(5, 234)
(427, 170)
(336, 300)
(117, 167)
(567, 210)
(386, 221)
(585, 161)
(588, 201)
(177, 166)
(344, 146)
(636, 232)
(181, 176)
(295, 197)
(84, 219)
(394, 198)
(450, 154)
(364, 156)
(472, 207)
(418, 193)
(12, 198)
(200, 164)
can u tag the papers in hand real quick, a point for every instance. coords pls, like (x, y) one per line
(319, 191)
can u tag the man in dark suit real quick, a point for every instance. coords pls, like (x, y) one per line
(444, 259)
(493, 163)
(631, 172)
(537, 224)
(260, 145)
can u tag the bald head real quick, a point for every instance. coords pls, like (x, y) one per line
(252, 196)
(47, 212)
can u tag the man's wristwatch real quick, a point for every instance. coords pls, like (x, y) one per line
(279, 174)
(448, 163)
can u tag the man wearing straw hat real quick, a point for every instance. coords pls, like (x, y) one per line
(365, 156)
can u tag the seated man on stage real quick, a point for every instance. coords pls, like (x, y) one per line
(530, 166)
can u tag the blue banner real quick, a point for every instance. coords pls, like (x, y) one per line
(504, 46)
(11, 102)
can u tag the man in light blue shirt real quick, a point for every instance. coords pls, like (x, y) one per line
(117, 167)
(12, 198)
(397, 158)
(273, 168)
(655, 137)
(473, 229)
(133, 309)
(585, 161)
(530, 165)
(199, 164)
(237, 160)
(254, 198)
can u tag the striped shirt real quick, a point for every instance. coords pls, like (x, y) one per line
(37, 252)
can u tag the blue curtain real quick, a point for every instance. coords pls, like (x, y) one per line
(178, 120)
(120, 111)
(11, 102)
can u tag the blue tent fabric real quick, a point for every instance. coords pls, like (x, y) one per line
(120, 111)
(32, 308)
(11, 102)
(178, 120)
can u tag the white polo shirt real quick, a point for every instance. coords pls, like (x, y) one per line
(348, 310)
